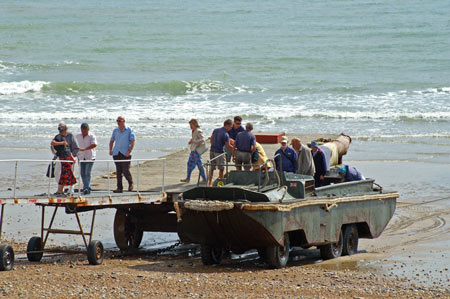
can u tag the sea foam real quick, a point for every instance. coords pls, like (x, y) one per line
(7, 88)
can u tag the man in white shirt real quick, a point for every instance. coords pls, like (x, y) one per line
(87, 143)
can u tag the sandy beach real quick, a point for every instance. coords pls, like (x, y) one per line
(405, 261)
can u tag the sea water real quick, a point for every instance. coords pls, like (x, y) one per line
(376, 70)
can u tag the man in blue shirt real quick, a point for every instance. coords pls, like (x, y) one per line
(288, 157)
(219, 139)
(235, 130)
(244, 146)
(123, 140)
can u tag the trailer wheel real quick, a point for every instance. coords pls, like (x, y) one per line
(126, 235)
(95, 252)
(350, 245)
(34, 249)
(6, 258)
(211, 255)
(332, 250)
(278, 256)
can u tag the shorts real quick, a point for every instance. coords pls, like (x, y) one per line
(229, 153)
(243, 158)
(217, 163)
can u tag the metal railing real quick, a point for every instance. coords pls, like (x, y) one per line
(79, 182)
(262, 166)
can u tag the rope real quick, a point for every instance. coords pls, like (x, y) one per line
(208, 205)
(330, 202)
(381, 188)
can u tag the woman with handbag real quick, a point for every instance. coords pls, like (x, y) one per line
(61, 144)
(197, 147)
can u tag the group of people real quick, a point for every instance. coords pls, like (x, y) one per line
(234, 142)
(66, 147)
(301, 159)
(231, 142)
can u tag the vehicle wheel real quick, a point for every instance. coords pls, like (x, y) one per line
(332, 250)
(350, 245)
(95, 253)
(34, 249)
(6, 258)
(211, 255)
(262, 252)
(278, 256)
(126, 235)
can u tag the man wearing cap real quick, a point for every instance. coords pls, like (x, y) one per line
(87, 143)
(123, 140)
(305, 162)
(319, 163)
(350, 173)
(288, 157)
(244, 146)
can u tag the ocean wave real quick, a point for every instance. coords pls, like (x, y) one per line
(370, 115)
(7, 68)
(174, 88)
(8, 88)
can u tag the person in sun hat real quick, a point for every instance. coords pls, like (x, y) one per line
(287, 159)
(320, 164)
(350, 173)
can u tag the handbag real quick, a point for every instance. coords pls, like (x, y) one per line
(201, 149)
(51, 170)
(255, 156)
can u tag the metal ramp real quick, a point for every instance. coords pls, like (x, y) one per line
(126, 203)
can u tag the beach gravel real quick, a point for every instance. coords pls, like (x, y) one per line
(169, 276)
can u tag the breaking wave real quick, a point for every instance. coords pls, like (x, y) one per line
(173, 88)
(8, 88)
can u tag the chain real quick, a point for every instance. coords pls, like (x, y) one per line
(154, 252)
(169, 248)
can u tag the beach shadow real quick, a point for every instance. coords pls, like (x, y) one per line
(249, 261)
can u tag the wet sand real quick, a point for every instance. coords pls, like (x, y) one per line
(410, 259)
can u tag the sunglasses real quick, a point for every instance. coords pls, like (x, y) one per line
(119, 120)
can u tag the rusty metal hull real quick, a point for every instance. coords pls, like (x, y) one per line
(248, 226)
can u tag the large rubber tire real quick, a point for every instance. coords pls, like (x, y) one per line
(350, 245)
(95, 252)
(34, 244)
(126, 235)
(6, 257)
(211, 255)
(278, 256)
(332, 250)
